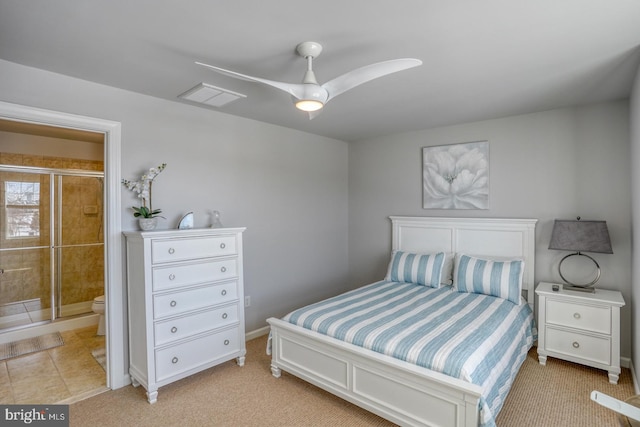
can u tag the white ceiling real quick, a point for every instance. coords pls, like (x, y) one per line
(482, 59)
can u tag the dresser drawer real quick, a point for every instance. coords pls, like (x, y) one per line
(586, 317)
(183, 357)
(592, 348)
(182, 327)
(173, 276)
(175, 303)
(168, 250)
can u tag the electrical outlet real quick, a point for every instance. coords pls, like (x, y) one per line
(247, 301)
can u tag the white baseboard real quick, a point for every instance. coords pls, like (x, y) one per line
(636, 389)
(626, 362)
(257, 333)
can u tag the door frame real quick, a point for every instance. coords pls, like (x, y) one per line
(115, 315)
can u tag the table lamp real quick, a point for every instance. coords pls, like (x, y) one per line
(580, 236)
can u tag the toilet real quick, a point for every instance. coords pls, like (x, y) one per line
(98, 308)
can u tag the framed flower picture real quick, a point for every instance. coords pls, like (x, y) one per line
(456, 176)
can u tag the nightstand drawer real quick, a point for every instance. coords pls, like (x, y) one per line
(574, 315)
(592, 348)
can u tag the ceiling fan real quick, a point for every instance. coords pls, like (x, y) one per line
(309, 95)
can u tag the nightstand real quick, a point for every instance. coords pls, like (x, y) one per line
(580, 327)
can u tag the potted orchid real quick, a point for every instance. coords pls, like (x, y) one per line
(146, 214)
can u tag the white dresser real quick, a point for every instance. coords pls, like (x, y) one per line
(580, 327)
(186, 310)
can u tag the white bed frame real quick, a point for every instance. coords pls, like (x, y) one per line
(396, 390)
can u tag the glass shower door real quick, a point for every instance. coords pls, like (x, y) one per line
(25, 262)
(79, 243)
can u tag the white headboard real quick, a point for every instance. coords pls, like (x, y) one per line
(491, 237)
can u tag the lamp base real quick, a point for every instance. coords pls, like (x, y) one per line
(584, 287)
(578, 288)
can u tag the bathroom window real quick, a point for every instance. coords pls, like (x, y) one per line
(22, 204)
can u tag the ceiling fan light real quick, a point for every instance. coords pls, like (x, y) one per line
(309, 105)
(312, 98)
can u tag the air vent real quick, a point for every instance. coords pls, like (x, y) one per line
(210, 95)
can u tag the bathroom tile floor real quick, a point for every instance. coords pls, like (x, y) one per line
(63, 374)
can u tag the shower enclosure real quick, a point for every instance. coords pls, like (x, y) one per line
(51, 244)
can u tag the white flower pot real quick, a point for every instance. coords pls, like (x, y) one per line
(147, 224)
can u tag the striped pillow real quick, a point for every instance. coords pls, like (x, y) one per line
(502, 279)
(423, 269)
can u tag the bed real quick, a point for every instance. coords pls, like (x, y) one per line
(402, 383)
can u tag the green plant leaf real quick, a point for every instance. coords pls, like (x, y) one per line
(144, 212)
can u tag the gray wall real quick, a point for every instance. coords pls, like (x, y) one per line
(287, 187)
(635, 196)
(554, 164)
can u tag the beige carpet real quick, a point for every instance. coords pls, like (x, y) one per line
(30, 345)
(229, 395)
(558, 394)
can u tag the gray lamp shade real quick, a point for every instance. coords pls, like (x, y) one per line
(580, 236)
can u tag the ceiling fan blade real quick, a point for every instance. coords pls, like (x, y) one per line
(367, 73)
(295, 90)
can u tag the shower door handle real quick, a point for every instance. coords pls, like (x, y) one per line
(2, 270)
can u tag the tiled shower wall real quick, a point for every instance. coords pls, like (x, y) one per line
(26, 274)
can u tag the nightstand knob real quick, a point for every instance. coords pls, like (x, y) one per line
(576, 344)
(576, 315)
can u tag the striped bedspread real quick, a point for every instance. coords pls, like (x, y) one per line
(477, 338)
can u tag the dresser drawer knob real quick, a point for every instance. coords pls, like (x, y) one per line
(174, 330)
(223, 269)
(174, 360)
(576, 315)
(172, 276)
(222, 246)
(224, 292)
(576, 344)
(226, 342)
(225, 315)
(173, 303)
(171, 251)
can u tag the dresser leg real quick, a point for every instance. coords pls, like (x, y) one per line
(542, 359)
(240, 360)
(613, 377)
(275, 371)
(152, 396)
(135, 382)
